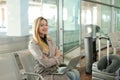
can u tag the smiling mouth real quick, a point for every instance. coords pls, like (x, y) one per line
(45, 30)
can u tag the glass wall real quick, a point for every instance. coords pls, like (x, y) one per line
(105, 18)
(100, 13)
(117, 19)
(34, 11)
(49, 11)
(95, 16)
(71, 24)
(117, 3)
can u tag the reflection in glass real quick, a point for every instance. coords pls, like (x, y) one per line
(71, 25)
(117, 19)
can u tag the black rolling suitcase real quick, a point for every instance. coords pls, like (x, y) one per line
(102, 75)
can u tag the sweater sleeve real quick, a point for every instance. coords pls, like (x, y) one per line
(54, 52)
(37, 53)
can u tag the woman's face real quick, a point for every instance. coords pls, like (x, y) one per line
(43, 28)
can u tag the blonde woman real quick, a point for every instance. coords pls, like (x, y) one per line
(46, 53)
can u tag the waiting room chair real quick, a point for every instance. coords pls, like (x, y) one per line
(9, 69)
(115, 41)
(27, 62)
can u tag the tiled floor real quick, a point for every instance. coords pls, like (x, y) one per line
(83, 74)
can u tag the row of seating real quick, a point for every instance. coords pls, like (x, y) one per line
(115, 41)
(17, 66)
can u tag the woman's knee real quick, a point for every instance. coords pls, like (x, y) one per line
(77, 74)
(71, 75)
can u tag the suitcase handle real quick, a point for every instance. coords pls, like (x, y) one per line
(104, 37)
(99, 45)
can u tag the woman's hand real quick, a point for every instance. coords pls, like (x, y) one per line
(45, 57)
(57, 54)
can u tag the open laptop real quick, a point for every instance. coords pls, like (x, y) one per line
(71, 65)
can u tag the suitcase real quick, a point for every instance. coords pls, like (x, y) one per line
(101, 75)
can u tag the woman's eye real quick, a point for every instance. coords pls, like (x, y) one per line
(44, 25)
(41, 25)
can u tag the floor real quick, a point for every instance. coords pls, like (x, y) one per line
(83, 74)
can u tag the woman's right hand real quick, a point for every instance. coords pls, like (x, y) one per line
(45, 57)
(57, 54)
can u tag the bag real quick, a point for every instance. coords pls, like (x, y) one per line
(101, 73)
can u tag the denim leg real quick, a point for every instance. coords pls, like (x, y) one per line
(71, 75)
(77, 74)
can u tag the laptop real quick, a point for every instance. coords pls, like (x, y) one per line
(71, 65)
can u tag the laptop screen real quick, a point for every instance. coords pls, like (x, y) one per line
(73, 62)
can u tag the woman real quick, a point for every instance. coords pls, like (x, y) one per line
(46, 53)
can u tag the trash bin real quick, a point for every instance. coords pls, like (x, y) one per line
(88, 53)
(90, 45)
(91, 31)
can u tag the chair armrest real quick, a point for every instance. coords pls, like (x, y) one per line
(33, 74)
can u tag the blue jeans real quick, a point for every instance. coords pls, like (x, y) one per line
(72, 74)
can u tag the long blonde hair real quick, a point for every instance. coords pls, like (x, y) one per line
(36, 36)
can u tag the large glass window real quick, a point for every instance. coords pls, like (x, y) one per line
(71, 24)
(117, 3)
(105, 19)
(117, 19)
(49, 11)
(95, 16)
(34, 11)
